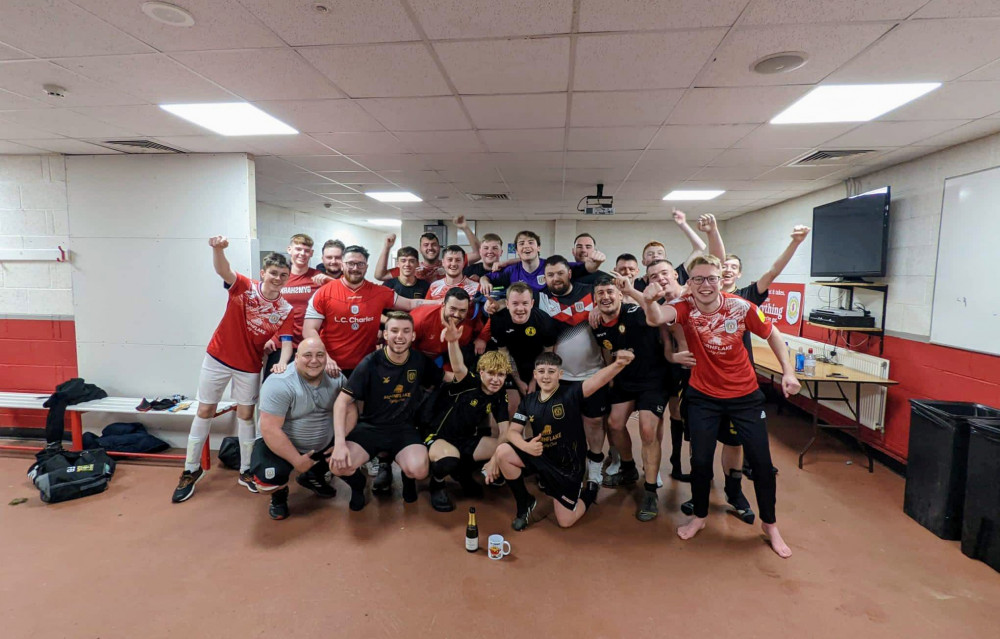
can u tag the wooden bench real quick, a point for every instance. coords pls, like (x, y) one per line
(113, 405)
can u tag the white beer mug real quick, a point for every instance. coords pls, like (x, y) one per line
(498, 548)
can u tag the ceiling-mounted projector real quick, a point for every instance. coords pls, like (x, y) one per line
(599, 204)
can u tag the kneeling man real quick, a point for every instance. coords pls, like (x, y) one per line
(296, 424)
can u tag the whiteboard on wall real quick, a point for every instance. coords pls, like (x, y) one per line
(966, 311)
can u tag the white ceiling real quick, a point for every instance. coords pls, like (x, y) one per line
(541, 99)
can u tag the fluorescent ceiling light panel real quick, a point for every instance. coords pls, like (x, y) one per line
(393, 196)
(385, 221)
(851, 102)
(692, 195)
(230, 118)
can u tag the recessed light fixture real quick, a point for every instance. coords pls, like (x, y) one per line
(169, 14)
(692, 195)
(851, 102)
(385, 221)
(230, 118)
(393, 196)
(780, 63)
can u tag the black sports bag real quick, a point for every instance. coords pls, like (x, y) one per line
(62, 475)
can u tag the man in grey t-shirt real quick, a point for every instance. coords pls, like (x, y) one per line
(296, 424)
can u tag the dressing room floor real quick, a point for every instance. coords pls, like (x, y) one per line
(128, 563)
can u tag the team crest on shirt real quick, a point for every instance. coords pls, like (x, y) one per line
(607, 345)
(558, 411)
(411, 376)
(530, 331)
(541, 280)
(355, 326)
(731, 325)
(385, 380)
(274, 318)
(355, 309)
(269, 473)
(621, 329)
(579, 306)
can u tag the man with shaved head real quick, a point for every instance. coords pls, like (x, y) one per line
(296, 424)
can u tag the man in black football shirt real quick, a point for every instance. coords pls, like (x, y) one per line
(406, 284)
(465, 413)
(389, 385)
(641, 387)
(521, 332)
(557, 451)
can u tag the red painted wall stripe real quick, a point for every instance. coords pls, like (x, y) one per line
(35, 356)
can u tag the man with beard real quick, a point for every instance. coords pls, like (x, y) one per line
(724, 385)
(639, 388)
(530, 268)
(296, 426)
(466, 412)
(428, 322)
(430, 268)
(346, 313)
(332, 264)
(388, 384)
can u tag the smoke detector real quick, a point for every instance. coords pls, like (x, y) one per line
(54, 90)
(785, 62)
(168, 14)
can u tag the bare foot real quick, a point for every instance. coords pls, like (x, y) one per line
(778, 544)
(690, 529)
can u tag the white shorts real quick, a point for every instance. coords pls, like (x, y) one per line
(214, 378)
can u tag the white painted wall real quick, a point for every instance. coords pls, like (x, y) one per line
(33, 215)
(506, 229)
(915, 217)
(275, 225)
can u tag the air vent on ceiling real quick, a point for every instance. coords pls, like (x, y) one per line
(139, 146)
(829, 156)
(487, 196)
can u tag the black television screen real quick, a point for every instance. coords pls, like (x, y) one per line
(851, 236)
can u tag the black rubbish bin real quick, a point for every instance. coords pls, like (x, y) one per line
(981, 522)
(937, 461)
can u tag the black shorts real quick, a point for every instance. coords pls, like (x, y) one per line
(678, 379)
(466, 445)
(384, 439)
(652, 399)
(271, 471)
(563, 485)
(727, 433)
(598, 404)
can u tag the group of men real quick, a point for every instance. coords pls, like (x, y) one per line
(463, 365)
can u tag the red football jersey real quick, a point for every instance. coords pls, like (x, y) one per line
(439, 288)
(249, 322)
(350, 318)
(715, 339)
(427, 327)
(297, 291)
(428, 272)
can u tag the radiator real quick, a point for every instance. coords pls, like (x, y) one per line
(871, 413)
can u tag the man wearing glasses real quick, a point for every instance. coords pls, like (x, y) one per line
(345, 313)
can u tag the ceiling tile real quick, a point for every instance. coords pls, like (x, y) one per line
(416, 114)
(679, 157)
(10, 100)
(642, 61)
(893, 133)
(394, 162)
(469, 175)
(989, 71)
(27, 77)
(65, 122)
(444, 19)
(355, 178)
(144, 119)
(601, 159)
(69, 147)
(520, 65)
(590, 177)
(460, 161)
(322, 162)
(953, 101)
(959, 9)
(517, 111)
(13, 148)
(711, 136)
(16, 131)
(735, 105)
(925, 50)
(828, 46)
(285, 145)
(528, 161)
(523, 139)
(10, 53)
(638, 15)
(261, 74)
(52, 28)
(206, 143)
(321, 116)
(362, 143)
(729, 172)
(741, 157)
(610, 138)
(388, 70)
(964, 133)
(153, 77)
(219, 24)
(800, 172)
(623, 108)
(441, 141)
(783, 136)
(811, 11)
(346, 22)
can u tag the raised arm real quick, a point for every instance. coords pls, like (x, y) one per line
(656, 313)
(799, 234)
(594, 383)
(382, 264)
(709, 225)
(452, 333)
(593, 261)
(697, 245)
(406, 304)
(474, 242)
(789, 383)
(219, 244)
